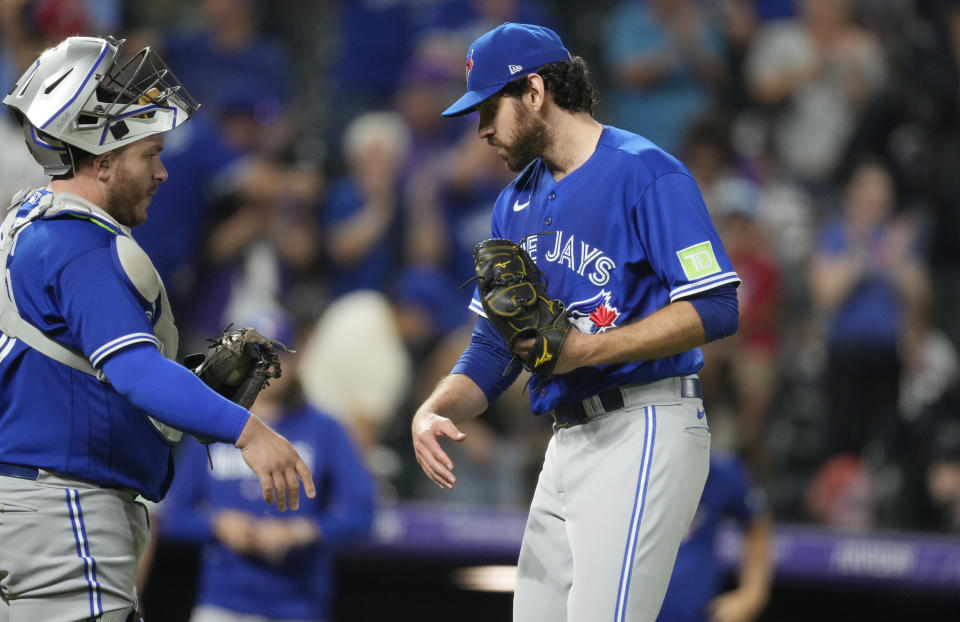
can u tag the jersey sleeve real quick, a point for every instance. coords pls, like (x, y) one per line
(679, 238)
(487, 361)
(100, 305)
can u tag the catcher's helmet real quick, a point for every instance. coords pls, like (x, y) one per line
(79, 94)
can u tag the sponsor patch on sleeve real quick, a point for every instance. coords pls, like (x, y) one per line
(698, 260)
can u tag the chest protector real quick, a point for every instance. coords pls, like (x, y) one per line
(134, 261)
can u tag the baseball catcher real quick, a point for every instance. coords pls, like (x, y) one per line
(239, 364)
(514, 296)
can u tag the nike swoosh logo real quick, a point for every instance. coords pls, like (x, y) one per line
(518, 206)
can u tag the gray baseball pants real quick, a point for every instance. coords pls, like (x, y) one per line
(614, 499)
(69, 550)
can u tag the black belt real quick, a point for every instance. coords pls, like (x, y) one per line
(574, 413)
(16, 470)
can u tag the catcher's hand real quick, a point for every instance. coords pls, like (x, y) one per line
(514, 297)
(239, 364)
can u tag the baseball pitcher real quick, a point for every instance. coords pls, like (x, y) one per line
(603, 277)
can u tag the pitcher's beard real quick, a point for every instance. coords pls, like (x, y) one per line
(530, 140)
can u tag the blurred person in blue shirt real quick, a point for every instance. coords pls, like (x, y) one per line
(209, 177)
(363, 217)
(695, 590)
(868, 281)
(261, 565)
(229, 58)
(666, 61)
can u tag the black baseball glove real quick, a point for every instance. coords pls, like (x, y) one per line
(514, 296)
(238, 365)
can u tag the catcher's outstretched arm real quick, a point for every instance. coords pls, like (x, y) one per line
(276, 463)
(172, 394)
(175, 396)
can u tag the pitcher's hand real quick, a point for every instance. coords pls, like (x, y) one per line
(427, 428)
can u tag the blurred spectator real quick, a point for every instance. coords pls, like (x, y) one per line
(943, 474)
(748, 359)
(29, 26)
(173, 237)
(665, 59)
(929, 403)
(815, 75)
(243, 77)
(709, 154)
(254, 252)
(427, 308)
(373, 39)
(26, 28)
(842, 495)
(695, 593)
(425, 85)
(450, 203)
(258, 564)
(355, 365)
(212, 177)
(739, 20)
(931, 368)
(469, 19)
(17, 168)
(363, 216)
(868, 282)
(775, 9)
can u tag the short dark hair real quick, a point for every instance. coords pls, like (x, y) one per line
(80, 158)
(568, 81)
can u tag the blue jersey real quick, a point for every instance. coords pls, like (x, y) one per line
(67, 281)
(301, 587)
(374, 269)
(620, 237)
(696, 574)
(872, 313)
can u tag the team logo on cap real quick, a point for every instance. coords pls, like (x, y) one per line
(469, 63)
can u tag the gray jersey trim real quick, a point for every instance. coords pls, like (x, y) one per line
(11, 323)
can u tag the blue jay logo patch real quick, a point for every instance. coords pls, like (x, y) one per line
(595, 314)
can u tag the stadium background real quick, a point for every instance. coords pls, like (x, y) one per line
(354, 242)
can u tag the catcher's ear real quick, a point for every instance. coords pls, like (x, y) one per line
(101, 165)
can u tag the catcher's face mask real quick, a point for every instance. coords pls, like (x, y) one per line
(80, 93)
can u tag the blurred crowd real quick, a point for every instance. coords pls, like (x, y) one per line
(319, 195)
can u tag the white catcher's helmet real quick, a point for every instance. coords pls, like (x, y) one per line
(78, 94)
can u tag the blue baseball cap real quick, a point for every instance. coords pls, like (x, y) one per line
(500, 56)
